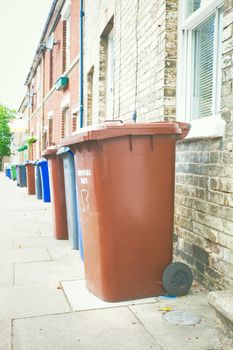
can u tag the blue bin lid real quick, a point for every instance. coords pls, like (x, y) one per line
(63, 151)
(41, 161)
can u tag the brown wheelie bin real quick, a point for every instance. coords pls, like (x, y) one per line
(125, 180)
(30, 170)
(58, 201)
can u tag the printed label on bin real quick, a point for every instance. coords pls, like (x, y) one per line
(84, 172)
(85, 200)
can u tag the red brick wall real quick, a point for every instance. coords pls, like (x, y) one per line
(53, 101)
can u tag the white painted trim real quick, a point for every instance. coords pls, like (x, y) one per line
(210, 127)
(65, 12)
(66, 73)
(50, 115)
(65, 102)
(180, 107)
(75, 111)
(184, 73)
(201, 14)
(35, 112)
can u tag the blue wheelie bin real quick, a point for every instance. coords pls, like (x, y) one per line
(44, 173)
(38, 181)
(74, 228)
(8, 171)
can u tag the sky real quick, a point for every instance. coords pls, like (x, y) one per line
(21, 26)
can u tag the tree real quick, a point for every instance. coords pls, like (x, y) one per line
(6, 115)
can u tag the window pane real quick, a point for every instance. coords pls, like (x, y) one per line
(203, 68)
(192, 6)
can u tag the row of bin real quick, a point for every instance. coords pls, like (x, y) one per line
(112, 193)
(40, 179)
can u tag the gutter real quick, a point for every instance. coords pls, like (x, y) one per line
(55, 10)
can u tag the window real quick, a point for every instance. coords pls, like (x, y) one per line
(110, 72)
(75, 118)
(65, 127)
(67, 42)
(106, 72)
(199, 59)
(51, 69)
(50, 128)
(66, 17)
(67, 122)
(90, 99)
(203, 69)
(38, 86)
(192, 6)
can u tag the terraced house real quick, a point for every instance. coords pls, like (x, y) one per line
(151, 60)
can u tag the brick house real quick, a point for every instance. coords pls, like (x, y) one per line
(19, 130)
(53, 106)
(163, 60)
(168, 61)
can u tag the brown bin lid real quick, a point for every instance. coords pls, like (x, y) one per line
(118, 129)
(50, 152)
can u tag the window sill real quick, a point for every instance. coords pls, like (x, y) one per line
(204, 128)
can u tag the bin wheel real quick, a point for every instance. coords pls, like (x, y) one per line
(177, 279)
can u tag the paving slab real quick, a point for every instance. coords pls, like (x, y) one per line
(24, 255)
(32, 265)
(203, 336)
(45, 272)
(34, 300)
(6, 243)
(18, 233)
(37, 241)
(6, 275)
(111, 329)
(61, 252)
(81, 299)
(7, 222)
(5, 335)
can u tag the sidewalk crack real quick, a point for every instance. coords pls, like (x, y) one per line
(13, 274)
(51, 258)
(142, 324)
(12, 334)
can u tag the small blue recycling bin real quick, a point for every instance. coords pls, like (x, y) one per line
(74, 228)
(44, 173)
(22, 175)
(38, 181)
(8, 171)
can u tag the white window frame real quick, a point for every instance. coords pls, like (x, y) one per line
(67, 121)
(38, 91)
(214, 125)
(65, 107)
(75, 115)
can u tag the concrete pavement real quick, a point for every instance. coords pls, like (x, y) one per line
(44, 303)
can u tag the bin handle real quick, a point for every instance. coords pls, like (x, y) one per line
(185, 128)
(113, 121)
